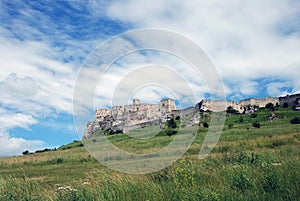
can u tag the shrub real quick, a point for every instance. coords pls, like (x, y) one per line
(205, 125)
(241, 120)
(230, 125)
(270, 106)
(59, 160)
(171, 132)
(285, 105)
(295, 120)
(256, 124)
(26, 152)
(172, 123)
(230, 110)
(253, 115)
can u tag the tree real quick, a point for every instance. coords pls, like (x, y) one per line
(26, 152)
(270, 106)
(230, 110)
(205, 125)
(171, 132)
(177, 118)
(172, 123)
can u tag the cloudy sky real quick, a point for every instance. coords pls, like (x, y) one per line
(254, 45)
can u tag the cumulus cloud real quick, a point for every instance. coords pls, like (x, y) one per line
(15, 146)
(9, 121)
(247, 40)
(41, 52)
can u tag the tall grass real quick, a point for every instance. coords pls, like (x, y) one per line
(246, 164)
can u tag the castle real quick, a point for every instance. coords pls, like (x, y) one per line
(128, 117)
(242, 106)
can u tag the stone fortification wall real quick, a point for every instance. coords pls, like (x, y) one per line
(217, 105)
(291, 100)
(221, 105)
(133, 116)
(259, 102)
(130, 116)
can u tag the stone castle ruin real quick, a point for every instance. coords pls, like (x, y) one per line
(290, 100)
(121, 119)
(241, 107)
(128, 117)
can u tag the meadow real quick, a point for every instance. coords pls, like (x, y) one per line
(248, 163)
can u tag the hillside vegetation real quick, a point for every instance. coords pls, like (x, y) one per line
(249, 163)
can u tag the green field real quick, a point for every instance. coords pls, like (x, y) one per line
(247, 164)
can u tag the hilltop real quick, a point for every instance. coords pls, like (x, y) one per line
(248, 163)
(122, 119)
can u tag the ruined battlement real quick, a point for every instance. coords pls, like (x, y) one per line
(222, 105)
(128, 117)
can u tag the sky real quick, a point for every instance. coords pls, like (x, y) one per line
(254, 45)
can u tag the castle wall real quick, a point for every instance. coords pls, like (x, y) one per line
(218, 105)
(130, 116)
(133, 116)
(221, 105)
(291, 100)
(260, 102)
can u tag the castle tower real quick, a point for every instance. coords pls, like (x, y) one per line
(167, 105)
(136, 102)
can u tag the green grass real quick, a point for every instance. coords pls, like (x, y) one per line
(247, 164)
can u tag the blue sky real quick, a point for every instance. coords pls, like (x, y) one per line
(254, 45)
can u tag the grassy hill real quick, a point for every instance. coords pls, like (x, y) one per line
(248, 163)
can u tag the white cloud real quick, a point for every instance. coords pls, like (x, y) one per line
(278, 88)
(40, 55)
(15, 146)
(8, 121)
(247, 40)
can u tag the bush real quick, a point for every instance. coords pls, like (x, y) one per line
(256, 124)
(172, 123)
(177, 118)
(285, 105)
(26, 152)
(171, 132)
(230, 110)
(253, 115)
(241, 120)
(270, 106)
(205, 125)
(295, 120)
